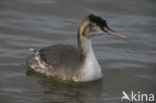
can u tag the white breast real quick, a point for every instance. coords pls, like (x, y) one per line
(91, 69)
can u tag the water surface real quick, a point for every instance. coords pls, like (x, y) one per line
(128, 65)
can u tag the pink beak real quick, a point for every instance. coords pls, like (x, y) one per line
(109, 32)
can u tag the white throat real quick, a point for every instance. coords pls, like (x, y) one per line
(91, 69)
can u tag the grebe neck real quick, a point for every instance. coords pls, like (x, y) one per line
(84, 42)
(90, 68)
(85, 47)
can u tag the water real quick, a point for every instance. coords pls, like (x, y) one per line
(128, 65)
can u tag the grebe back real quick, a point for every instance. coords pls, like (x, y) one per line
(69, 63)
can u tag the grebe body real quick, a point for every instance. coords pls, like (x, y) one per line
(69, 63)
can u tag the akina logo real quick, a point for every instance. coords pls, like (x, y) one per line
(138, 96)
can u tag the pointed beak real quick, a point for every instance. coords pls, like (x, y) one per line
(110, 32)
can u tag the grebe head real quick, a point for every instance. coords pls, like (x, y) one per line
(94, 25)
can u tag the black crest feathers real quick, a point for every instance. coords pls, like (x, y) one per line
(98, 20)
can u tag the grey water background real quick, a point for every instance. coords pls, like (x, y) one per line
(128, 65)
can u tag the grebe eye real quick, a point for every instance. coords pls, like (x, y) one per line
(91, 25)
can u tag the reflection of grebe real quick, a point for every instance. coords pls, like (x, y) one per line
(68, 63)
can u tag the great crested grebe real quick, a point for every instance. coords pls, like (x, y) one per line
(69, 63)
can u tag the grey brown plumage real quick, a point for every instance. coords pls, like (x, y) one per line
(69, 63)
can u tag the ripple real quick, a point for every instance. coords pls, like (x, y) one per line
(127, 64)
